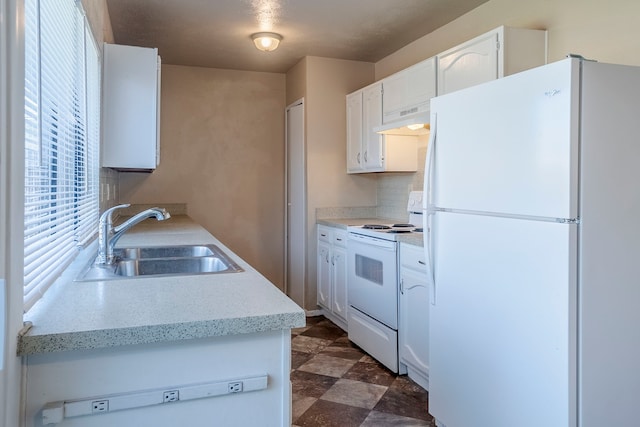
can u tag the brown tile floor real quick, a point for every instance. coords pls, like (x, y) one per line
(335, 383)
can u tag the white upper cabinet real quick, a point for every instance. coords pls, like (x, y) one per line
(492, 55)
(355, 162)
(372, 142)
(367, 150)
(131, 108)
(408, 93)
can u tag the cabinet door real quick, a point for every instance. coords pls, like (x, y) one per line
(372, 117)
(468, 64)
(339, 276)
(413, 331)
(130, 112)
(355, 161)
(421, 85)
(324, 275)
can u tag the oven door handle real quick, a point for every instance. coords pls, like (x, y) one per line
(372, 241)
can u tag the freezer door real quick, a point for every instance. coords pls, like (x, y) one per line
(509, 146)
(501, 330)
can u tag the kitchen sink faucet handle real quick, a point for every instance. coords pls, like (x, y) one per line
(108, 214)
(105, 229)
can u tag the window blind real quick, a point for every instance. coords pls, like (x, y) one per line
(62, 98)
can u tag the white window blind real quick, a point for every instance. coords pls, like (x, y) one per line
(62, 111)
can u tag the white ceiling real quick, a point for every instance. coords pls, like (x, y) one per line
(216, 33)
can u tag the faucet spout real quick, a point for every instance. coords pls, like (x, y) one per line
(108, 235)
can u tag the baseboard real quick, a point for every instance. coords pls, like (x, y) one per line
(313, 313)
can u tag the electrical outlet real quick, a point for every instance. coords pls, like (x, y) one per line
(170, 396)
(98, 406)
(235, 387)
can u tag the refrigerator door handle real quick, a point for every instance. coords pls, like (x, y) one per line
(428, 174)
(428, 207)
(430, 273)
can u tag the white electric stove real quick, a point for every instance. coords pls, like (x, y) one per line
(372, 264)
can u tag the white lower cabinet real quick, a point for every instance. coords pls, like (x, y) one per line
(413, 328)
(332, 274)
(135, 377)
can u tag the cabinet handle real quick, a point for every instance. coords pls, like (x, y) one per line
(327, 257)
(422, 262)
(323, 235)
(333, 260)
(365, 156)
(402, 286)
(338, 239)
(358, 158)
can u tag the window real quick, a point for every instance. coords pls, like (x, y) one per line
(62, 129)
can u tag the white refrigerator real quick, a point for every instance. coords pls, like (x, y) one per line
(532, 232)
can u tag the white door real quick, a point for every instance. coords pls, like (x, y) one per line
(502, 326)
(296, 229)
(510, 145)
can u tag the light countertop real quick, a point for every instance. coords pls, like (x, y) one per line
(88, 315)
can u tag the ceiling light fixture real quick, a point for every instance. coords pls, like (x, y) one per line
(266, 41)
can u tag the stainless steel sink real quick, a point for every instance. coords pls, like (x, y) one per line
(162, 261)
(159, 266)
(166, 252)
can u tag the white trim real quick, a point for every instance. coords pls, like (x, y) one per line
(286, 201)
(11, 201)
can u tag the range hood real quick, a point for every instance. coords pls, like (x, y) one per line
(416, 124)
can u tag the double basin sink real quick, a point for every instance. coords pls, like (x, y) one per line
(162, 261)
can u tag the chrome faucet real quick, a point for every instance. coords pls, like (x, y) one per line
(108, 235)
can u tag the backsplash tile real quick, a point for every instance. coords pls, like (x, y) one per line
(354, 212)
(108, 188)
(394, 188)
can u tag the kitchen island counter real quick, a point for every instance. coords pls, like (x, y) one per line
(98, 314)
(161, 351)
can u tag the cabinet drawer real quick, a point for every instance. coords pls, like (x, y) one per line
(413, 257)
(340, 238)
(324, 233)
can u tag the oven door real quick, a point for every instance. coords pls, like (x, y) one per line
(372, 279)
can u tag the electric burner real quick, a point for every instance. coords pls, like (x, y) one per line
(418, 230)
(399, 230)
(403, 226)
(375, 227)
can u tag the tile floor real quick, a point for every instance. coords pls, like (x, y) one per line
(335, 383)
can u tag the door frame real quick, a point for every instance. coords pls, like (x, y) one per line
(299, 102)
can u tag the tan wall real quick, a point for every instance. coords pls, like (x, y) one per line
(324, 83)
(99, 21)
(297, 81)
(328, 185)
(222, 153)
(607, 31)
